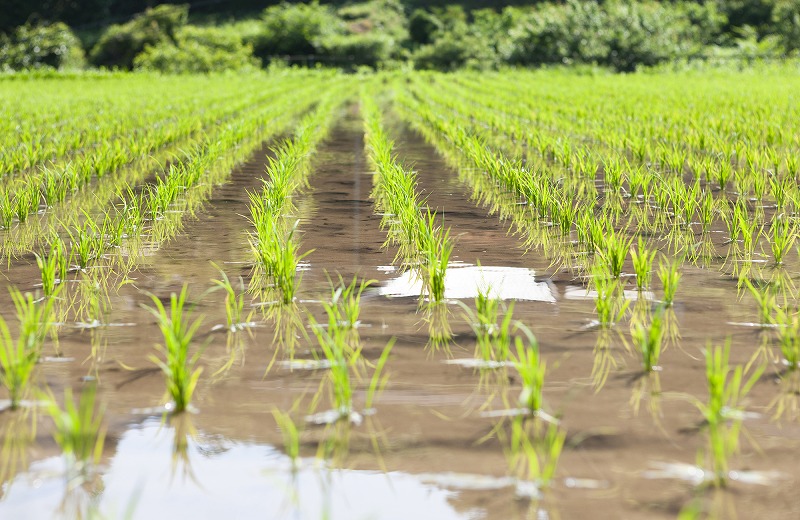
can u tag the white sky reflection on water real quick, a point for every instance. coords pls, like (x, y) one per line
(463, 281)
(225, 479)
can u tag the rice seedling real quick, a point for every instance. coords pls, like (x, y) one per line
(642, 264)
(783, 238)
(613, 252)
(80, 432)
(341, 359)
(344, 307)
(670, 276)
(278, 255)
(234, 303)
(648, 339)
(766, 299)
(610, 302)
(492, 323)
(436, 248)
(723, 414)
(48, 267)
(178, 328)
(17, 361)
(788, 326)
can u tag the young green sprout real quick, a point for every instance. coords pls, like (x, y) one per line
(648, 340)
(643, 264)
(723, 414)
(531, 370)
(669, 275)
(178, 329)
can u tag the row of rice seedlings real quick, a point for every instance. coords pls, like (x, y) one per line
(52, 184)
(120, 187)
(100, 111)
(274, 242)
(682, 202)
(422, 244)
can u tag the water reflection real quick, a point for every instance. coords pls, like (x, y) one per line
(233, 480)
(464, 281)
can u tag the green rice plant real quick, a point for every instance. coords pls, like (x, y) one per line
(341, 359)
(17, 360)
(648, 339)
(783, 238)
(48, 268)
(642, 264)
(344, 307)
(610, 302)
(766, 299)
(706, 211)
(780, 188)
(788, 325)
(180, 370)
(723, 415)
(436, 249)
(26, 202)
(492, 324)
(613, 252)
(7, 210)
(670, 276)
(531, 370)
(277, 254)
(54, 186)
(79, 427)
(234, 303)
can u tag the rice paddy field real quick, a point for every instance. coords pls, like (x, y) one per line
(308, 295)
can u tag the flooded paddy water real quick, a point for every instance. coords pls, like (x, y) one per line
(436, 444)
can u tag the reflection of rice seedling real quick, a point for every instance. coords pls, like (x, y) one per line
(642, 264)
(531, 370)
(290, 434)
(79, 427)
(722, 411)
(648, 339)
(669, 275)
(534, 456)
(178, 330)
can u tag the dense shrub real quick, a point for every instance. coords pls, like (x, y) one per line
(454, 50)
(294, 30)
(198, 49)
(120, 44)
(35, 46)
(357, 50)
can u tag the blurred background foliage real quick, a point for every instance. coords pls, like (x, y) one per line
(213, 35)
